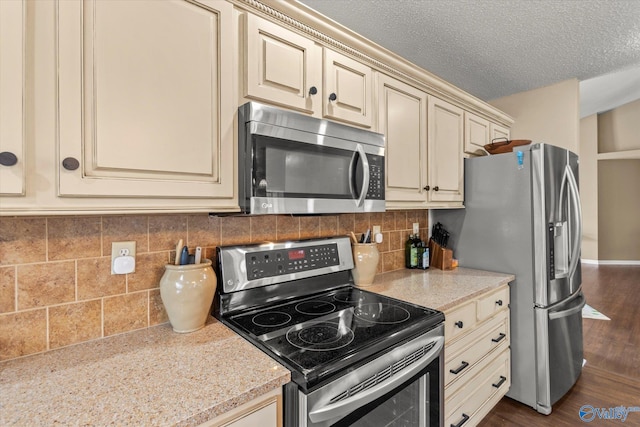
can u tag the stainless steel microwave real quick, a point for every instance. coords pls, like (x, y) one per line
(290, 163)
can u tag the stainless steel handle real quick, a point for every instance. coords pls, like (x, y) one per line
(577, 236)
(570, 311)
(365, 170)
(343, 407)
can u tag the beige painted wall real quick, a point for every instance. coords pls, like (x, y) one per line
(619, 129)
(550, 114)
(589, 185)
(619, 209)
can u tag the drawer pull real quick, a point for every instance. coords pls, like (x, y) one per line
(499, 383)
(500, 337)
(459, 324)
(499, 302)
(460, 368)
(465, 418)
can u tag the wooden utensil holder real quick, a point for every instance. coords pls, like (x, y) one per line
(441, 258)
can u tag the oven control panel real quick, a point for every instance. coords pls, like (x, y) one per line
(276, 262)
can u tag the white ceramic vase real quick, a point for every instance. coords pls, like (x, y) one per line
(365, 259)
(187, 293)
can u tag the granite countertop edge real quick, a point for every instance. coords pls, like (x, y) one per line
(138, 366)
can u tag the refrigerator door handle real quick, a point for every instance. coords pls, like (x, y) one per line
(577, 235)
(568, 312)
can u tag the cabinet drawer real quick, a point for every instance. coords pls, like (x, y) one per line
(459, 321)
(494, 379)
(493, 303)
(463, 354)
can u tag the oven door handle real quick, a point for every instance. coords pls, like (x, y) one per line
(344, 407)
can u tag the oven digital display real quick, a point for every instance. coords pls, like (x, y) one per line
(297, 254)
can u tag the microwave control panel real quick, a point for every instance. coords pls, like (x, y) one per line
(292, 260)
(376, 177)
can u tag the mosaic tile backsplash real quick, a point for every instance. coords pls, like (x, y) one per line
(56, 286)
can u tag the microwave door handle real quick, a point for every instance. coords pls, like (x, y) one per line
(577, 233)
(365, 180)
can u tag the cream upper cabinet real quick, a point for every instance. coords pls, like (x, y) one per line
(445, 141)
(497, 131)
(281, 67)
(145, 99)
(348, 90)
(12, 92)
(476, 133)
(402, 118)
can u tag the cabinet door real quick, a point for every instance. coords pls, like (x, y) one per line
(12, 167)
(498, 131)
(145, 98)
(402, 117)
(348, 90)
(476, 133)
(281, 66)
(446, 177)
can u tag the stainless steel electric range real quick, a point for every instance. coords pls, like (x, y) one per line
(356, 357)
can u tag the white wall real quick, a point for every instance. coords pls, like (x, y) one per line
(550, 114)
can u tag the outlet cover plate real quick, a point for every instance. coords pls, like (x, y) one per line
(123, 249)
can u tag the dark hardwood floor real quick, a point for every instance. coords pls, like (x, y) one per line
(611, 377)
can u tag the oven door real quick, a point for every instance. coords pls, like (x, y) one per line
(402, 387)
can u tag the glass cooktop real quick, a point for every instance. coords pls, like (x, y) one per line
(320, 334)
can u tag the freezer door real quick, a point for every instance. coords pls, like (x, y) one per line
(557, 223)
(559, 350)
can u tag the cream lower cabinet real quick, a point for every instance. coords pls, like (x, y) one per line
(12, 91)
(263, 411)
(477, 357)
(402, 118)
(445, 125)
(282, 67)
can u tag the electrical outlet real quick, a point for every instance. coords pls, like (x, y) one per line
(123, 257)
(376, 229)
(416, 227)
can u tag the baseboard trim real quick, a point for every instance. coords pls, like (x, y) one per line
(610, 262)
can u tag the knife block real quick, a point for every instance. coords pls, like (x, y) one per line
(441, 258)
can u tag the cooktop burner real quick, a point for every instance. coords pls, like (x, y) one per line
(320, 336)
(317, 332)
(271, 319)
(382, 313)
(315, 307)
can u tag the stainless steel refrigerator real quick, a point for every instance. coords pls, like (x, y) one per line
(522, 216)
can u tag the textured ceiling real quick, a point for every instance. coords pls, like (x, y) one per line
(494, 48)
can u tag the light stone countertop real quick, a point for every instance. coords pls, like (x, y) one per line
(157, 377)
(437, 289)
(151, 377)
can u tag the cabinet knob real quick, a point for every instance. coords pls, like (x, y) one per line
(436, 188)
(426, 188)
(313, 90)
(499, 302)
(333, 97)
(8, 159)
(70, 164)
(459, 324)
